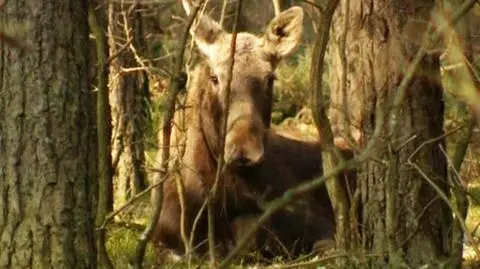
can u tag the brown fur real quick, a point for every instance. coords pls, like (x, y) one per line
(287, 162)
(261, 165)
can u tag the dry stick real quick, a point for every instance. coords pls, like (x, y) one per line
(412, 69)
(221, 161)
(120, 50)
(440, 191)
(103, 137)
(276, 7)
(174, 89)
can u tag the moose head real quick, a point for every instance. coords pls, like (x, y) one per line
(253, 76)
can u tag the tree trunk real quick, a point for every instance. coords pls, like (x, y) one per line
(127, 96)
(403, 216)
(47, 138)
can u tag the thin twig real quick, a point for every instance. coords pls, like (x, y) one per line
(120, 50)
(221, 161)
(174, 89)
(440, 191)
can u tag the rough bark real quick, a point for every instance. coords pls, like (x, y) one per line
(127, 96)
(47, 138)
(402, 214)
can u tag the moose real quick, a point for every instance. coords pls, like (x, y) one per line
(260, 165)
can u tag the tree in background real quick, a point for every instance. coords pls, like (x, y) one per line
(47, 137)
(129, 90)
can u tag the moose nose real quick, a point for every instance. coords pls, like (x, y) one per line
(243, 158)
(244, 142)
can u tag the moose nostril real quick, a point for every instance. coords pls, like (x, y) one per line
(240, 158)
(243, 161)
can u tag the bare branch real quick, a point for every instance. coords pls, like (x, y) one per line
(224, 126)
(439, 191)
(174, 89)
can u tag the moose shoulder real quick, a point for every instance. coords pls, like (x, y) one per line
(260, 164)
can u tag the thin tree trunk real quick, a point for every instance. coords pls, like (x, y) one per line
(329, 155)
(47, 138)
(126, 98)
(105, 188)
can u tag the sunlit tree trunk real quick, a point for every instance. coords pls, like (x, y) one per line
(47, 138)
(403, 217)
(127, 99)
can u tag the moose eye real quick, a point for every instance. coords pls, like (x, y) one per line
(214, 80)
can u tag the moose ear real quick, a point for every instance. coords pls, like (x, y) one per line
(207, 33)
(284, 32)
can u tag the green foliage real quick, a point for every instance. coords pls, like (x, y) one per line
(121, 245)
(157, 106)
(291, 91)
(292, 88)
